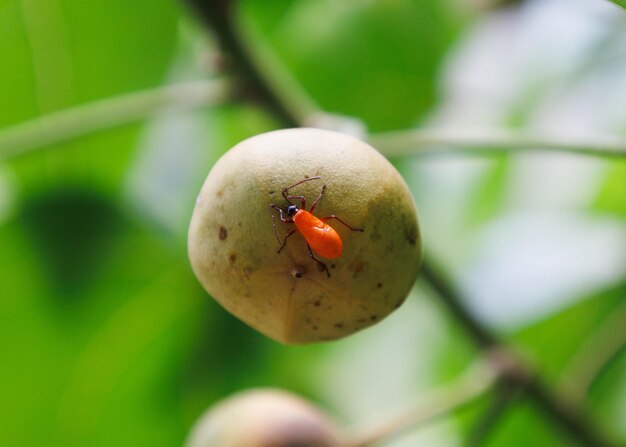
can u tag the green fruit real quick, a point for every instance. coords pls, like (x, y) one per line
(264, 418)
(232, 246)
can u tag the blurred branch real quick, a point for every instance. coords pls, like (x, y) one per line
(278, 77)
(218, 14)
(437, 141)
(554, 405)
(504, 396)
(595, 354)
(473, 384)
(96, 116)
(443, 288)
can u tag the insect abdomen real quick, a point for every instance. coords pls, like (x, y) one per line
(322, 238)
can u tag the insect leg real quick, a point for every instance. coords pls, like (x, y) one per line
(320, 263)
(332, 216)
(282, 212)
(317, 200)
(283, 219)
(285, 240)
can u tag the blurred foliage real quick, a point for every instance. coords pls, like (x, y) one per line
(573, 326)
(106, 336)
(344, 56)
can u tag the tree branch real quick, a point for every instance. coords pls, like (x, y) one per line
(100, 115)
(504, 395)
(437, 141)
(218, 16)
(472, 385)
(484, 338)
(556, 406)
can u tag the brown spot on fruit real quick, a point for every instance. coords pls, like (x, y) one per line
(246, 272)
(358, 268)
(223, 234)
(232, 258)
(298, 271)
(411, 232)
(379, 285)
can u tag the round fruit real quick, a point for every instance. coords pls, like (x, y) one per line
(288, 295)
(264, 418)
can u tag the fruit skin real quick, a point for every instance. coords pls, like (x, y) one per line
(232, 246)
(264, 418)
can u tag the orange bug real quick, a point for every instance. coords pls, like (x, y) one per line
(320, 237)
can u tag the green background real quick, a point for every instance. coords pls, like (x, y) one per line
(106, 338)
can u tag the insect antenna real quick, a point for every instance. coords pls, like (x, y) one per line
(274, 226)
(286, 190)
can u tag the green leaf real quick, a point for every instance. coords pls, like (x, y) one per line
(375, 60)
(70, 358)
(523, 425)
(71, 262)
(17, 67)
(612, 196)
(491, 192)
(572, 325)
(607, 398)
(60, 53)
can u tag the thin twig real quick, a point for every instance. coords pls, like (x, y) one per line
(504, 395)
(218, 15)
(95, 116)
(595, 354)
(472, 385)
(556, 406)
(439, 284)
(437, 141)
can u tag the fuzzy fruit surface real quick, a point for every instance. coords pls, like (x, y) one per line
(232, 246)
